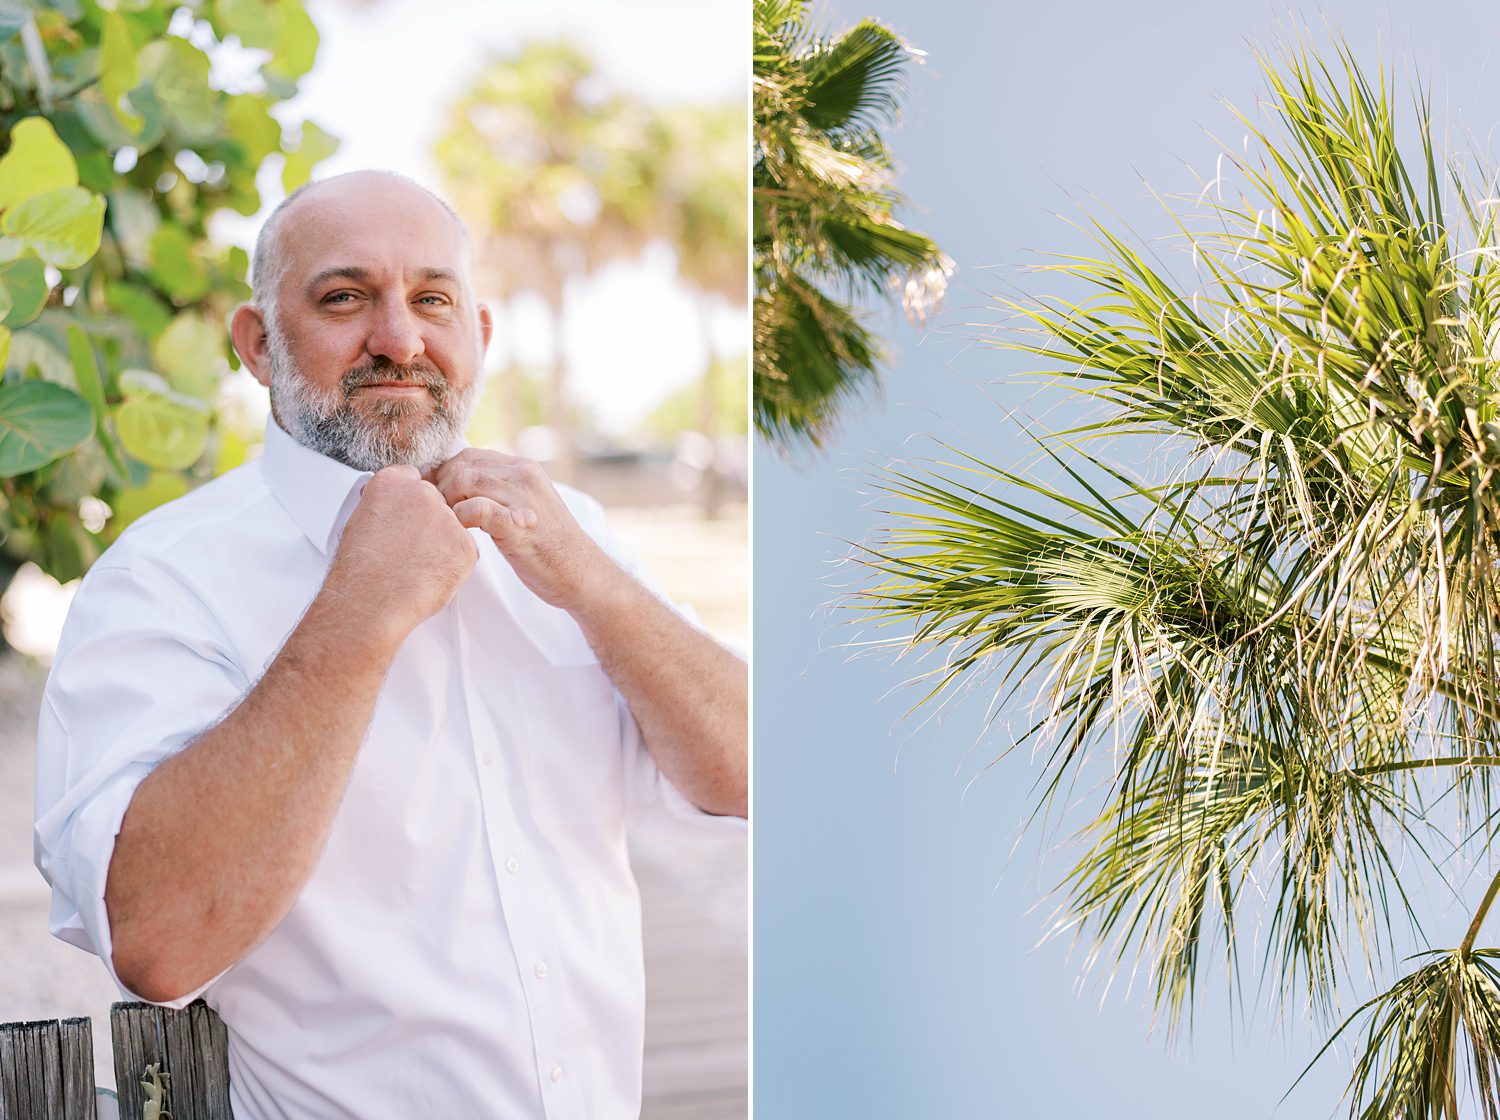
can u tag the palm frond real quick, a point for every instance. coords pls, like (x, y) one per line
(1271, 662)
(1430, 1042)
(825, 232)
(855, 80)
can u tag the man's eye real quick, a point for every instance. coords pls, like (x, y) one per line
(338, 297)
(433, 300)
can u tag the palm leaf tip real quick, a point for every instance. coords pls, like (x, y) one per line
(1430, 1043)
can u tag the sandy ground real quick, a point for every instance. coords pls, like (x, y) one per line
(695, 901)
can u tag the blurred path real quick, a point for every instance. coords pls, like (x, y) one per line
(694, 899)
(44, 979)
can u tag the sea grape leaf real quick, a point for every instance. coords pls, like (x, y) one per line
(39, 422)
(37, 163)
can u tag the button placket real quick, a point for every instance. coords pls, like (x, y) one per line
(521, 868)
(525, 909)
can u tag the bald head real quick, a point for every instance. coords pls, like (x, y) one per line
(352, 198)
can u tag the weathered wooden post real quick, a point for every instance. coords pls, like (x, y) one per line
(47, 1070)
(190, 1046)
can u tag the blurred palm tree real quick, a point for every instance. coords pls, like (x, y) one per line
(825, 234)
(558, 175)
(704, 203)
(1280, 664)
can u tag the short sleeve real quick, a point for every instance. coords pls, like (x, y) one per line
(655, 805)
(140, 671)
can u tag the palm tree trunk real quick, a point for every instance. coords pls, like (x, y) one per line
(564, 468)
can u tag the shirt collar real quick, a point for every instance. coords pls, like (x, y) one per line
(318, 493)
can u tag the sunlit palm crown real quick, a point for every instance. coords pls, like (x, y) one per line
(1284, 655)
(824, 233)
(556, 173)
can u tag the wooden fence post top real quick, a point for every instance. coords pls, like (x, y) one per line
(190, 1047)
(47, 1070)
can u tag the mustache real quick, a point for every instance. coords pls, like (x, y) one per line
(383, 371)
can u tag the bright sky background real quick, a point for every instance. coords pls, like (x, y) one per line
(386, 70)
(897, 967)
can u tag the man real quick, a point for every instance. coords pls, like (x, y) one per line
(347, 740)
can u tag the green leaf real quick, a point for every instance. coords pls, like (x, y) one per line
(138, 305)
(39, 422)
(252, 127)
(158, 426)
(61, 226)
(191, 353)
(86, 369)
(179, 77)
(315, 146)
(253, 21)
(91, 387)
(296, 41)
(176, 265)
(30, 350)
(134, 219)
(96, 171)
(77, 476)
(4, 347)
(5, 301)
(113, 128)
(118, 71)
(25, 279)
(67, 549)
(36, 164)
(233, 450)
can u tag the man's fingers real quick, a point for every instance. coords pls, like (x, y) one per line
(400, 470)
(499, 521)
(470, 475)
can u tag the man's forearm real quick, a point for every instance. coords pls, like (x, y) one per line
(689, 694)
(220, 838)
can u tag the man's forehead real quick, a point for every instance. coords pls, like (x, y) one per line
(372, 222)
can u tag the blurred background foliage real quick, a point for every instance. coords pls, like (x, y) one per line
(119, 144)
(559, 174)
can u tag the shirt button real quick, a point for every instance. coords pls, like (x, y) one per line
(512, 865)
(541, 970)
(556, 1074)
(488, 758)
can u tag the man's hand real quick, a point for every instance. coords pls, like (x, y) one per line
(514, 501)
(688, 694)
(403, 553)
(273, 771)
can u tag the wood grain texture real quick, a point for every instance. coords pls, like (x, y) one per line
(695, 926)
(192, 1047)
(46, 1070)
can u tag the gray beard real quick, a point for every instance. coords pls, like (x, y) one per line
(330, 424)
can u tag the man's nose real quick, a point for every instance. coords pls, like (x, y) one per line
(395, 334)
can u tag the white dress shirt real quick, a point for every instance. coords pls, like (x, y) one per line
(469, 944)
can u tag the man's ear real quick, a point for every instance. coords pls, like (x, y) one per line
(248, 330)
(486, 326)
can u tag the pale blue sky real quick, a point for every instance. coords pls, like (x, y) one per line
(896, 967)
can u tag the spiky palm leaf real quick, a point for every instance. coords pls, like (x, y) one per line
(824, 233)
(1286, 651)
